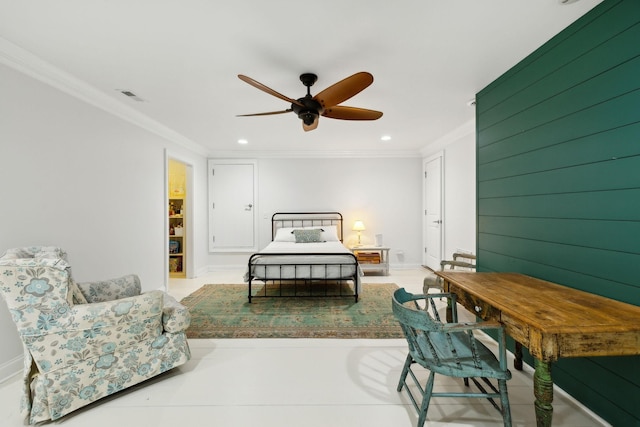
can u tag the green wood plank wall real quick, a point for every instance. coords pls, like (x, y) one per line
(558, 152)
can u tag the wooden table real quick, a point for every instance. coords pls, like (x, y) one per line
(551, 320)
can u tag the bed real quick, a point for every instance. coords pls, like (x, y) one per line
(306, 258)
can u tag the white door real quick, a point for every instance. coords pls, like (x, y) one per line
(232, 219)
(433, 213)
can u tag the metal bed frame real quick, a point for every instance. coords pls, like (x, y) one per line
(306, 219)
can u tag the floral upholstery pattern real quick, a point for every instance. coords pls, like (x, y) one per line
(76, 353)
(110, 290)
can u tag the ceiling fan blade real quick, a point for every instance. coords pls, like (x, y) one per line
(344, 89)
(351, 113)
(268, 90)
(265, 114)
(312, 126)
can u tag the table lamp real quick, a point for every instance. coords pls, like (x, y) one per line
(358, 226)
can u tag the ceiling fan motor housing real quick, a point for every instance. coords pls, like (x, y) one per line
(310, 112)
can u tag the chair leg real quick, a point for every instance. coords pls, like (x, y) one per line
(504, 400)
(405, 371)
(426, 398)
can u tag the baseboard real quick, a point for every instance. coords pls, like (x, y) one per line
(11, 368)
(405, 266)
(215, 268)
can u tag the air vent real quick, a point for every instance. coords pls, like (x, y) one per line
(131, 95)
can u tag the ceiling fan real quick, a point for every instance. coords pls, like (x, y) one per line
(325, 103)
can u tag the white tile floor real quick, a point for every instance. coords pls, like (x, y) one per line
(295, 382)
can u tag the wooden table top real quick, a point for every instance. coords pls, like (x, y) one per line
(548, 307)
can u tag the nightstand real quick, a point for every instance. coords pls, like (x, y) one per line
(372, 258)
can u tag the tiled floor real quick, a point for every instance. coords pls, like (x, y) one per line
(295, 382)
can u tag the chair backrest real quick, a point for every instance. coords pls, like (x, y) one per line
(36, 290)
(418, 324)
(439, 346)
(35, 252)
(460, 261)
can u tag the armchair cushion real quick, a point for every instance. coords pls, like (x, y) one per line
(77, 297)
(109, 290)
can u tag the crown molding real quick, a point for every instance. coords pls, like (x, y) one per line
(27, 63)
(289, 154)
(466, 129)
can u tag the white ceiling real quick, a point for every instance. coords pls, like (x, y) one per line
(182, 57)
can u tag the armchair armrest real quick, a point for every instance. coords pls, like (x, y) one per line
(175, 316)
(112, 289)
(86, 331)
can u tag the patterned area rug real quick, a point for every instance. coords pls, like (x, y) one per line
(222, 311)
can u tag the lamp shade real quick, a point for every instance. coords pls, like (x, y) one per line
(358, 226)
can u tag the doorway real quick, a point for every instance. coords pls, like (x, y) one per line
(179, 219)
(432, 221)
(232, 205)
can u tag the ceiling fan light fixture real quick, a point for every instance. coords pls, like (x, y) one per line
(308, 116)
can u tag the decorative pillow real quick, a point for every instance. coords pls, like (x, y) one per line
(308, 235)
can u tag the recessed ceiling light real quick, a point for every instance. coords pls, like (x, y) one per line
(385, 138)
(243, 141)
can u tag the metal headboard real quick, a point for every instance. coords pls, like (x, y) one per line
(305, 219)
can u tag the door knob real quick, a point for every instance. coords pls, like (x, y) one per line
(248, 207)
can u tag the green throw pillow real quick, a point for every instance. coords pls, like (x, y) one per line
(308, 235)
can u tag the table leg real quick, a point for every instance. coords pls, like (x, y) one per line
(543, 391)
(517, 363)
(449, 312)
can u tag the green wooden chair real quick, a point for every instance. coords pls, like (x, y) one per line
(449, 349)
(461, 261)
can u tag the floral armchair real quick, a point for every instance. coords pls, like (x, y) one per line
(85, 341)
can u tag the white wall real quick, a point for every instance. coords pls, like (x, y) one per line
(386, 194)
(77, 177)
(459, 195)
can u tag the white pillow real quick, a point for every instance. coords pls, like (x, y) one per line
(330, 233)
(285, 235)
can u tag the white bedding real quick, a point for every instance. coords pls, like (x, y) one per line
(304, 266)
